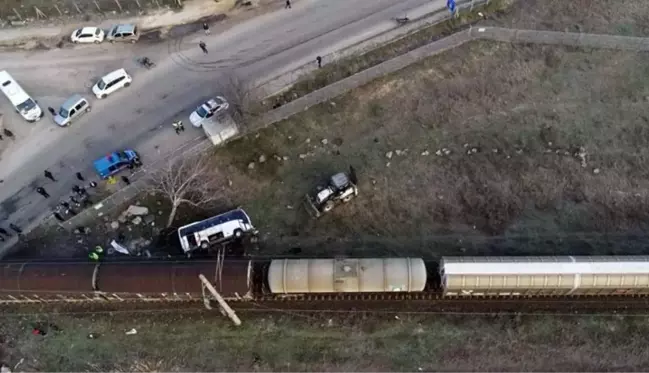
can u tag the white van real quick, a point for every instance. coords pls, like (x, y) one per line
(111, 82)
(217, 229)
(25, 105)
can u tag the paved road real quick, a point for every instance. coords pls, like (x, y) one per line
(139, 116)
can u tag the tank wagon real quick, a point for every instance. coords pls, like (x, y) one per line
(545, 276)
(238, 279)
(291, 276)
(119, 281)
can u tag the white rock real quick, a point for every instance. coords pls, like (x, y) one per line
(302, 156)
(251, 165)
(494, 150)
(289, 207)
(596, 171)
(114, 225)
(446, 151)
(137, 211)
(388, 155)
(439, 152)
(324, 141)
(332, 104)
(262, 158)
(387, 164)
(549, 143)
(137, 220)
(307, 140)
(229, 182)
(398, 152)
(466, 145)
(425, 152)
(474, 150)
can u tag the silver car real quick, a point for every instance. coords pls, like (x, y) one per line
(71, 109)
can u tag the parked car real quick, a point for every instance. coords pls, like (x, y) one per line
(207, 110)
(71, 108)
(125, 33)
(88, 35)
(114, 162)
(111, 82)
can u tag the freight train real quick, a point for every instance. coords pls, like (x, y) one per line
(240, 280)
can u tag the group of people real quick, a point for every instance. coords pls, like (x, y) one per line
(79, 197)
(4, 232)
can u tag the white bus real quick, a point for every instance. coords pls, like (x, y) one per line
(22, 102)
(217, 229)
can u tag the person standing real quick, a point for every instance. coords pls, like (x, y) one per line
(80, 177)
(42, 192)
(206, 28)
(51, 110)
(288, 4)
(319, 61)
(203, 46)
(174, 124)
(126, 180)
(49, 175)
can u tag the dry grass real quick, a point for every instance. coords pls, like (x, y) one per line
(623, 17)
(526, 110)
(190, 342)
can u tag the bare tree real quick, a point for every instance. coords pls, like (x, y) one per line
(243, 97)
(188, 180)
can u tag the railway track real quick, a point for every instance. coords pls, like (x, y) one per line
(385, 303)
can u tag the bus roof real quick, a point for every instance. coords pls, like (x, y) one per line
(236, 214)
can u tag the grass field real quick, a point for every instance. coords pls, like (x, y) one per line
(284, 342)
(543, 142)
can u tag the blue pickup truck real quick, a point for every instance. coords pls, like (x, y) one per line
(113, 163)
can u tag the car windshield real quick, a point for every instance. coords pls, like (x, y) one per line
(64, 113)
(101, 84)
(202, 112)
(77, 33)
(26, 106)
(97, 32)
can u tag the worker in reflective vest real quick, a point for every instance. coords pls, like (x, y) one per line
(96, 254)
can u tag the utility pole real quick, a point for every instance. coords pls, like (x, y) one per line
(224, 306)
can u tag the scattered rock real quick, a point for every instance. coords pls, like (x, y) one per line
(388, 155)
(494, 150)
(160, 212)
(398, 152)
(324, 141)
(289, 207)
(425, 152)
(277, 157)
(333, 104)
(439, 152)
(251, 165)
(474, 150)
(114, 225)
(466, 145)
(596, 171)
(158, 203)
(290, 137)
(229, 182)
(549, 143)
(137, 211)
(302, 156)
(137, 220)
(285, 158)
(262, 158)
(519, 151)
(446, 151)
(308, 140)
(387, 164)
